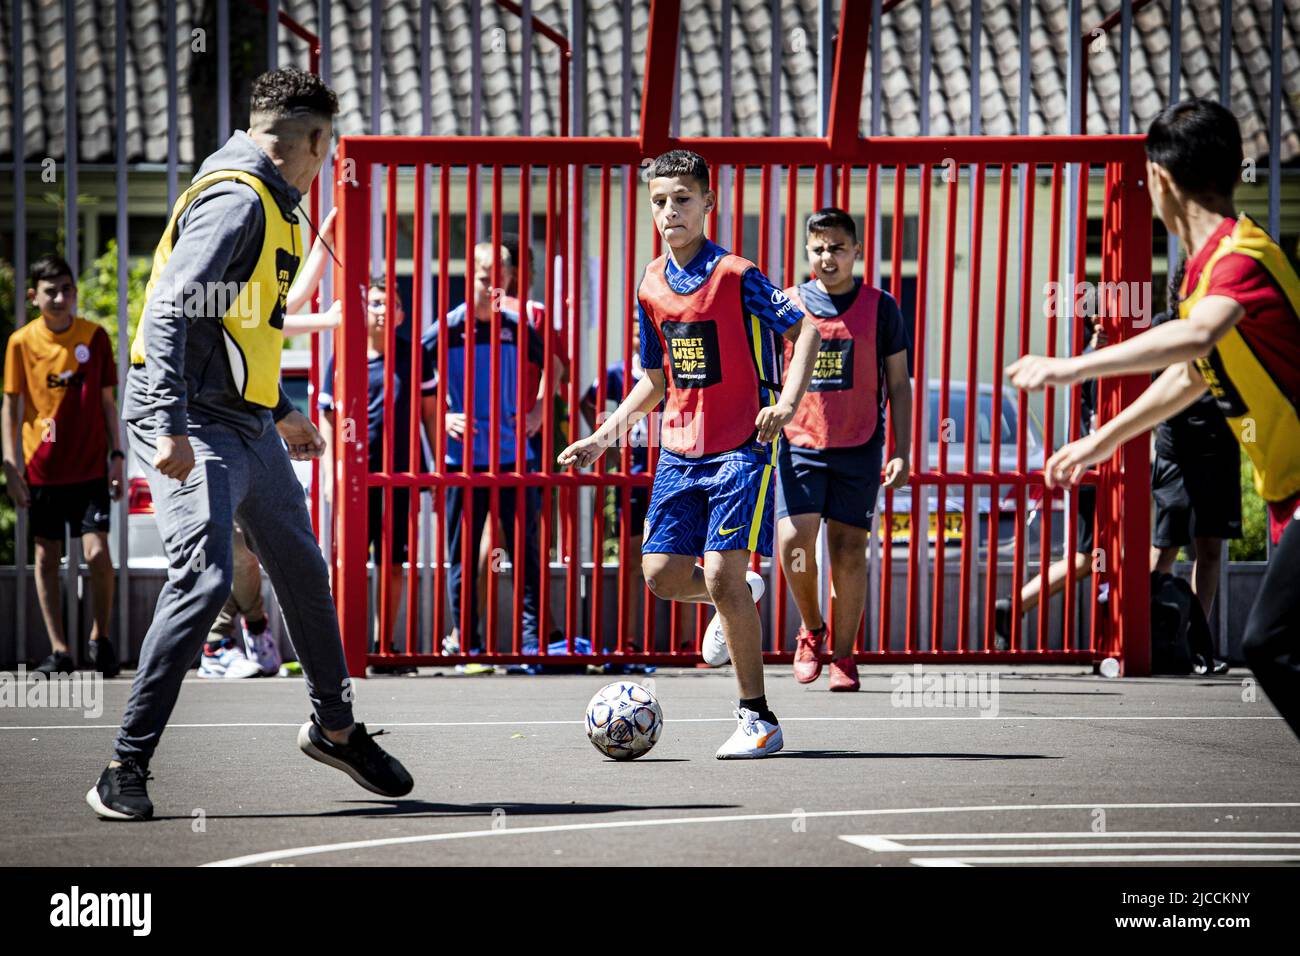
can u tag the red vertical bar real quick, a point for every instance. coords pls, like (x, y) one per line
(1022, 402)
(947, 428)
(1131, 594)
(1049, 408)
(468, 551)
(494, 421)
(1073, 426)
(575, 376)
(415, 464)
(819, 187)
(738, 212)
(523, 335)
(440, 438)
(350, 572)
(776, 607)
(602, 346)
(887, 522)
(846, 186)
(384, 560)
(869, 226)
(918, 413)
(995, 411)
(970, 517)
(547, 464)
(791, 191)
(625, 453)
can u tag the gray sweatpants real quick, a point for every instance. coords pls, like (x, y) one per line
(251, 480)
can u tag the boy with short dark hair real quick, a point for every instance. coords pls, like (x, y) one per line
(1238, 336)
(62, 452)
(715, 318)
(829, 464)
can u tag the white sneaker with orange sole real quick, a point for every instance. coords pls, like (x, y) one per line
(754, 737)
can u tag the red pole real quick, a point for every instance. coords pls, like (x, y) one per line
(970, 517)
(945, 372)
(415, 461)
(1133, 589)
(887, 522)
(523, 335)
(918, 412)
(1022, 404)
(602, 345)
(351, 586)
(440, 439)
(995, 416)
(1049, 411)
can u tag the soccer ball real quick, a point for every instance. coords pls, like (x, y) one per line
(624, 720)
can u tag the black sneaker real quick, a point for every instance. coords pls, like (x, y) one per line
(103, 657)
(1002, 624)
(56, 663)
(360, 758)
(120, 793)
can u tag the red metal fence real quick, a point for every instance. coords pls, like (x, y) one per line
(587, 287)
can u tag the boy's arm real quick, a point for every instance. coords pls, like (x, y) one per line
(1156, 348)
(1177, 388)
(113, 426)
(301, 291)
(807, 340)
(644, 397)
(310, 323)
(11, 426)
(898, 468)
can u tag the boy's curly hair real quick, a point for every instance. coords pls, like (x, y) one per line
(289, 92)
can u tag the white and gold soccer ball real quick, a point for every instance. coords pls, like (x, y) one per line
(624, 720)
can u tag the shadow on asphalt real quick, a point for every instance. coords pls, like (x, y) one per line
(424, 808)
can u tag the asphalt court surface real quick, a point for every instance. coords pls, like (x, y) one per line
(1051, 766)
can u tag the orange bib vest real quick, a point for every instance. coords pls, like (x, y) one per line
(841, 407)
(712, 360)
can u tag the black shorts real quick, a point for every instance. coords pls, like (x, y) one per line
(1196, 497)
(401, 518)
(85, 507)
(837, 483)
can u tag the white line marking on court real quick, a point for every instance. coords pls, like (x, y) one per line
(675, 720)
(1122, 845)
(285, 854)
(1110, 858)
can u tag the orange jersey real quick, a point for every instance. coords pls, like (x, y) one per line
(61, 378)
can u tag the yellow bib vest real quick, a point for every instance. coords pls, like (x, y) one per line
(1264, 418)
(252, 314)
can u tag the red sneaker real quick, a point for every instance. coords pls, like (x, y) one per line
(807, 655)
(844, 674)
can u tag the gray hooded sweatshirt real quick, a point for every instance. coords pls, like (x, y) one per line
(186, 377)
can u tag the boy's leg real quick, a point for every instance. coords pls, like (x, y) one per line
(1205, 572)
(797, 542)
(49, 553)
(529, 623)
(480, 504)
(1272, 641)
(278, 529)
(94, 529)
(195, 519)
(724, 575)
(848, 549)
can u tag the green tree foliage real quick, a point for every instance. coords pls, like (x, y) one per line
(1252, 545)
